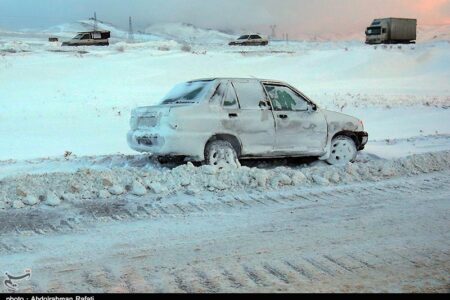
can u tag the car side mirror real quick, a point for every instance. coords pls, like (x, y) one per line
(263, 104)
(312, 108)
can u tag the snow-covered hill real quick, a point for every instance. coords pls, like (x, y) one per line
(433, 33)
(188, 33)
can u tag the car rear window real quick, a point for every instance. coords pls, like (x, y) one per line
(188, 92)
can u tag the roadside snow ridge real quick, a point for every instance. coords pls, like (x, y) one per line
(22, 191)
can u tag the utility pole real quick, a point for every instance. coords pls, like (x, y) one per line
(273, 27)
(130, 30)
(95, 21)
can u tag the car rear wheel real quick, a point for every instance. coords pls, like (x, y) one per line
(343, 151)
(221, 153)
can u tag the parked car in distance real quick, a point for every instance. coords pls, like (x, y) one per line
(90, 38)
(222, 120)
(250, 40)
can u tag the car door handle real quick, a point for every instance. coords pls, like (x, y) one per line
(282, 116)
(233, 115)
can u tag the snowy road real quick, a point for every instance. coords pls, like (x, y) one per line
(391, 235)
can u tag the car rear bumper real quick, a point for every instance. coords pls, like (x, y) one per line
(363, 138)
(167, 145)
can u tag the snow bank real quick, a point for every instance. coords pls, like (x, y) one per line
(15, 47)
(53, 189)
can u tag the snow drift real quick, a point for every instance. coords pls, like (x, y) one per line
(55, 188)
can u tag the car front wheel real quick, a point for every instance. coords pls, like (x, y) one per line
(343, 151)
(221, 153)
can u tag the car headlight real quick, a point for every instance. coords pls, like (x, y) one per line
(361, 123)
(133, 123)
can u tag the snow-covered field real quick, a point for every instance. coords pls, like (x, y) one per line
(65, 166)
(62, 109)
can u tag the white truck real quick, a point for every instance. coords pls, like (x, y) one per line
(392, 31)
(221, 120)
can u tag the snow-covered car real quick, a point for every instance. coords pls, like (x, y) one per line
(222, 120)
(250, 40)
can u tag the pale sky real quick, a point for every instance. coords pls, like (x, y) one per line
(292, 16)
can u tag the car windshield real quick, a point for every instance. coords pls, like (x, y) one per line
(374, 31)
(188, 92)
(244, 37)
(78, 36)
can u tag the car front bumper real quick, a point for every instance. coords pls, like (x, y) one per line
(363, 138)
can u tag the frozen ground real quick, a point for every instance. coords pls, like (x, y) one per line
(67, 175)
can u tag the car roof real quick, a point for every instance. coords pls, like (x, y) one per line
(95, 31)
(238, 78)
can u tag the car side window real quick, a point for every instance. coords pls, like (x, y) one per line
(285, 99)
(250, 94)
(219, 94)
(86, 37)
(255, 37)
(230, 100)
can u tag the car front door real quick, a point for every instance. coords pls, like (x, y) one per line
(87, 39)
(248, 116)
(299, 129)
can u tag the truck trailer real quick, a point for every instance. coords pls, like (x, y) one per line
(392, 31)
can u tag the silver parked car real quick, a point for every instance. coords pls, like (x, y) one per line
(250, 40)
(222, 120)
(90, 38)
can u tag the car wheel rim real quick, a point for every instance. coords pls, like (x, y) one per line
(222, 157)
(342, 152)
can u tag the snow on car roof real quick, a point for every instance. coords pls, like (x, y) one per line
(237, 78)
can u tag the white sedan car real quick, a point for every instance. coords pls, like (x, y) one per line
(222, 120)
(250, 40)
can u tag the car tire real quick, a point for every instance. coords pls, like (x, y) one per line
(221, 153)
(343, 151)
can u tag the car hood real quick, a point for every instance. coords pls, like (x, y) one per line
(342, 121)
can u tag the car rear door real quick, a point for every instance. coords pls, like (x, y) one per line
(248, 117)
(299, 129)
